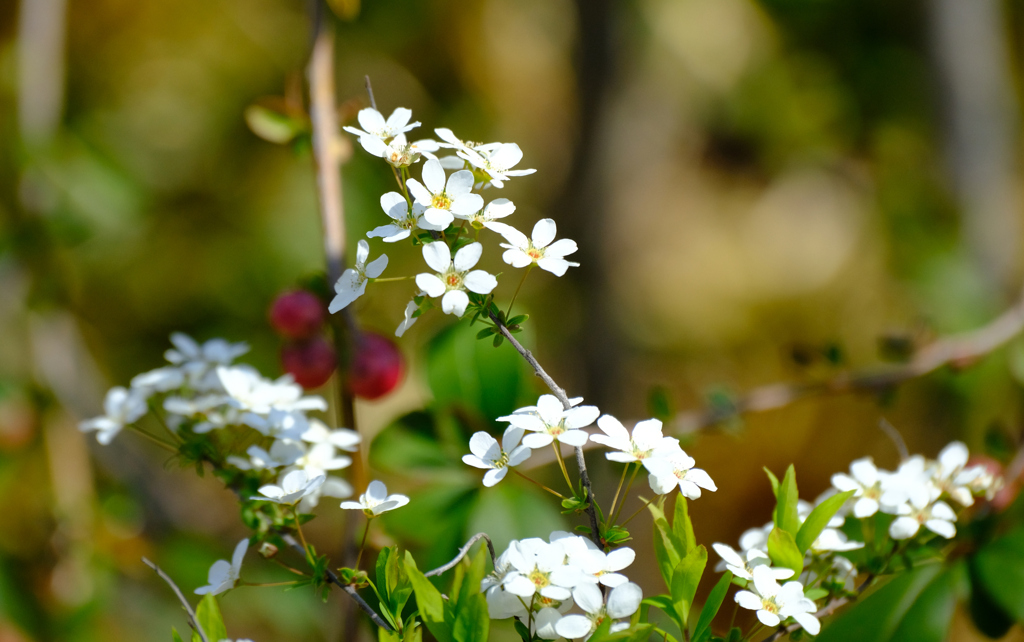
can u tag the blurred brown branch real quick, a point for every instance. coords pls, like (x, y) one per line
(960, 350)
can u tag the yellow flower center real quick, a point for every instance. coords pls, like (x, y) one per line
(539, 579)
(441, 201)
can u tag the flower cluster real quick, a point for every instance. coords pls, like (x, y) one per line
(667, 464)
(914, 492)
(913, 495)
(441, 211)
(203, 391)
(539, 581)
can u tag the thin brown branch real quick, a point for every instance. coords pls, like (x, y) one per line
(192, 620)
(559, 392)
(333, 579)
(959, 350)
(463, 552)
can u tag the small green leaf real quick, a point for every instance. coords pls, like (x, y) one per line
(685, 580)
(786, 500)
(682, 526)
(486, 332)
(516, 320)
(383, 590)
(208, 616)
(702, 632)
(815, 594)
(523, 631)
(774, 480)
(667, 547)
(783, 550)
(819, 519)
(930, 616)
(175, 637)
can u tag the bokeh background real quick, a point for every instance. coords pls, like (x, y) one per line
(763, 191)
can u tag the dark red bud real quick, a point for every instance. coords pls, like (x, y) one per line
(297, 315)
(311, 362)
(377, 366)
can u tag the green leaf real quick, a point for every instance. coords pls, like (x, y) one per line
(929, 618)
(877, 616)
(999, 566)
(819, 519)
(786, 500)
(383, 590)
(682, 526)
(774, 480)
(175, 637)
(600, 634)
(472, 623)
(667, 546)
(523, 631)
(783, 550)
(815, 594)
(208, 616)
(685, 579)
(399, 588)
(702, 632)
(486, 332)
(428, 601)
(988, 616)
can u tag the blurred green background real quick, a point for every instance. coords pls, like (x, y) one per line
(763, 191)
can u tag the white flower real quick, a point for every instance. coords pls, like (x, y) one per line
(282, 453)
(445, 201)
(251, 392)
(332, 487)
(321, 458)
(911, 483)
(121, 407)
(376, 500)
(756, 538)
(496, 161)
(198, 362)
(377, 132)
(646, 442)
(496, 458)
(539, 567)
(295, 485)
(224, 575)
(341, 438)
(937, 517)
(623, 601)
(676, 469)
(775, 603)
(405, 219)
(453, 277)
(834, 540)
(601, 567)
(450, 141)
(952, 475)
(400, 152)
(159, 380)
(409, 315)
(498, 208)
(284, 424)
(743, 567)
(352, 283)
(549, 422)
(866, 482)
(522, 251)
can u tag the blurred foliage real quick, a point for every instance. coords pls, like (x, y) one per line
(769, 198)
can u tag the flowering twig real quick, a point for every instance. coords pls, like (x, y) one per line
(559, 392)
(957, 350)
(192, 620)
(462, 553)
(333, 579)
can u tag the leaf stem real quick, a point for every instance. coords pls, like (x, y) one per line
(626, 494)
(166, 445)
(622, 480)
(561, 464)
(362, 544)
(302, 538)
(649, 502)
(534, 481)
(518, 287)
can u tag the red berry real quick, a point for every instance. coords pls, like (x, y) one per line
(297, 315)
(311, 362)
(377, 366)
